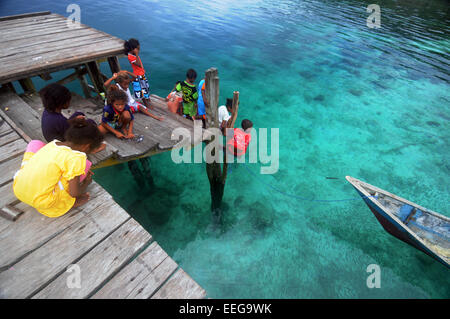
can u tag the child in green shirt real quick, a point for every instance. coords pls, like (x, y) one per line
(190, 94)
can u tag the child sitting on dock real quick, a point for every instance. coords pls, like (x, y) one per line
(190, 94)
(56, 98)
(54, 177)
(123, 79)
(140, 83)
(117, 116)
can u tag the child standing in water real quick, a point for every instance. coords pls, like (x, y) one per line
(56, 175)
(123, 81)
(140, 83)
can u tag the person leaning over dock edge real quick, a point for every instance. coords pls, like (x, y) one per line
(117, 116)
(123, 81)
(56, 98)
(224, 116)
(190, 94)
(53, 177)
(140, 83)
(239, 139)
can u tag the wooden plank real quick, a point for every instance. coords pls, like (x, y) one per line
(100, 263)
(55, 60)
(34, 229)
(41, 50)
(13, 149)
(24, 15)
(180, 286)
(8, 138)
(7, 195)
(40, 267)
(20, 22)
(43, 39)
(10, 212)
(57, 26)
(4, 127)
(13, 125)
(141, 277)
(16, 24)
(114, 64)
(8, 169)
(27, 119)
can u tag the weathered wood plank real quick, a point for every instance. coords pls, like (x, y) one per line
(141, 277)
(22, 114)
(24, 15)
(43, 39)
(5, 128)
(8, 169)
(8, 138)
(39, 268)
(33, 229)
(46, 28)
(32, 22)
(180, 286)
(13, 149)
(100, 263)
(54, 49)
(7, 195)
(66, 57)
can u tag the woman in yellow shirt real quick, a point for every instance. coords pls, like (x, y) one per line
(51, 179)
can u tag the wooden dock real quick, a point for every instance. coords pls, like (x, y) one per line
(116, 257)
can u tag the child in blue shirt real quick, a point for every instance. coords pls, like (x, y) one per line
(117, 116)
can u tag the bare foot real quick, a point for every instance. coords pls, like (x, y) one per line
(81, 200)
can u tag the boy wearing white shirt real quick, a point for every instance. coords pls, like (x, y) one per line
(224, 116)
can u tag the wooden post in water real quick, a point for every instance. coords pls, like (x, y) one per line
(27, 85)
(216, 174)
(114, 64)
(95, 75)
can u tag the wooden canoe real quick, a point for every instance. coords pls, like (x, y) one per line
(418, 226)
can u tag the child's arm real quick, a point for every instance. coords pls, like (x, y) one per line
(108, 82)
(113, 131)
(138, 62)
(130, 130)
(77, 188)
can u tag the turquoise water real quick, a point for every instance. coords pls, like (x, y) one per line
(348, 100)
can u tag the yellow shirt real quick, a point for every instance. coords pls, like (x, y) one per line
(43, 180)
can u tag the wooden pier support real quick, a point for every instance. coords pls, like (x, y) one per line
(96, 76)
(114, 64)
(217, 174)
(27, 85)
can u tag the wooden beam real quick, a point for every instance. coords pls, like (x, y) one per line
(114, 64)
(27, 85)
(84, 84)
(71, 77)
(9, 86)
(96, 78)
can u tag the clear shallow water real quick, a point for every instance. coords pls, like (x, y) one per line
(348, 100)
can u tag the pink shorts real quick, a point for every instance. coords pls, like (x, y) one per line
(36, 145)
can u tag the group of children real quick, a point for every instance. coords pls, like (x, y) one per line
(53, 177)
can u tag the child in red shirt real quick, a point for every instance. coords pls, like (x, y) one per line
(140, 83)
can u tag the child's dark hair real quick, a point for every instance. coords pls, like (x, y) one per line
(130, 45)
(54, 96)
(191, 74)
(229, 103)
(82, 132)
(116, 94)
(246, 124)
